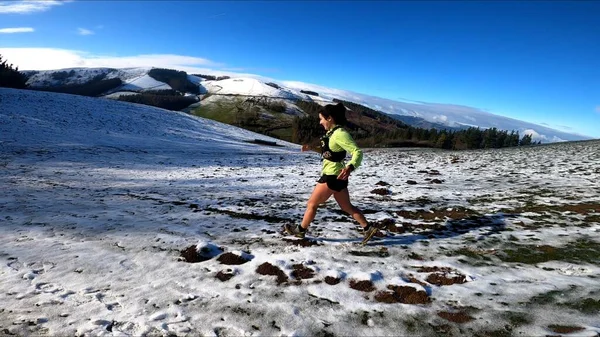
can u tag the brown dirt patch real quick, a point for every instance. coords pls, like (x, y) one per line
(232, 259)
(583, 208)
(302, 242)
(546, 249)
(413, 279)
(332, 280)
(191, 255)
(456, 317)
(382, 183)
(302, 272)
(385, 223)
(425, 269)
(565, 328)
(442, 279)
(225, 275)
(365, 285)
(269, 269)
(402, 294)
(381, 191)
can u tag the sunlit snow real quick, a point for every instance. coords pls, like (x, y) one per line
(100, 198)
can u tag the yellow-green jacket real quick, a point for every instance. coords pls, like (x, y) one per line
(341, 140)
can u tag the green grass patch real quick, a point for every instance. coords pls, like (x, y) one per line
(579, 251)
(517, 318)
(250, 115)
(587, 306)
(220, 111)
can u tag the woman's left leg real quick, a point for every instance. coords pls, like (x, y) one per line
(343, 199)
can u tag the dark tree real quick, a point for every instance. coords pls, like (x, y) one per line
(11, 77)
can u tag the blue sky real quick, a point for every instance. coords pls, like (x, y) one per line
(533, 61)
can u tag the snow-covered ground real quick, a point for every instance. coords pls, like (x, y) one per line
(104, 204)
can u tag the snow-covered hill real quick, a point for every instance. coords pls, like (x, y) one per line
(34, 120)
(454, 116)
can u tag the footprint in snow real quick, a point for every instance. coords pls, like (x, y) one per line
(48, 288)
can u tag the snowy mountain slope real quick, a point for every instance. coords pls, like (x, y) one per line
(27, 122)
(455, 116)
(251, 87)
(71, 76)
(144, 82)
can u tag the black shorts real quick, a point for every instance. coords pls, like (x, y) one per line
(333, 182)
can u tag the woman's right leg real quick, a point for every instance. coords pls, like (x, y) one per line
(319, 195)
(343, 199)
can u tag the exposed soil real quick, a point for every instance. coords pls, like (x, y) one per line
(332, 280)
(302, 272)
(402, 294)
(425, 269)
(456, 317)
(225, 275)
(190, 255)
(381, 191)
(413, 279)
(565, 328)
(232, 259)
(269, 269)
(366, 285)
(584, 208)
(442, 279)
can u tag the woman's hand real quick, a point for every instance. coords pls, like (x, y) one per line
(345, 173)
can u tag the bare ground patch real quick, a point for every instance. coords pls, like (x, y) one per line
(269, 269)
(402, 294)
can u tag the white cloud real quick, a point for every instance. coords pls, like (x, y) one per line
(28, 6)
(16, 30)
(28, 59)
(83, 31)
(441, 118)
(535, 136)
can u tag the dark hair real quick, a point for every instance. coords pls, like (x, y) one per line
(335, 111)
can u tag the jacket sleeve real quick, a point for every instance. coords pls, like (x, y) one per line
(345, 141)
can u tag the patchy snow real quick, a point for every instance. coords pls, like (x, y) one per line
(247, 86)
(144, 82)
(81, 75)
(101, 198)
(446, 114)
(115, 95)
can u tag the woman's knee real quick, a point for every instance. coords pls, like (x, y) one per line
(312, 205)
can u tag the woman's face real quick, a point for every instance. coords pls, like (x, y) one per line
(326, 122)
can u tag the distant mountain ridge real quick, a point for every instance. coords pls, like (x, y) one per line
(417, 114)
